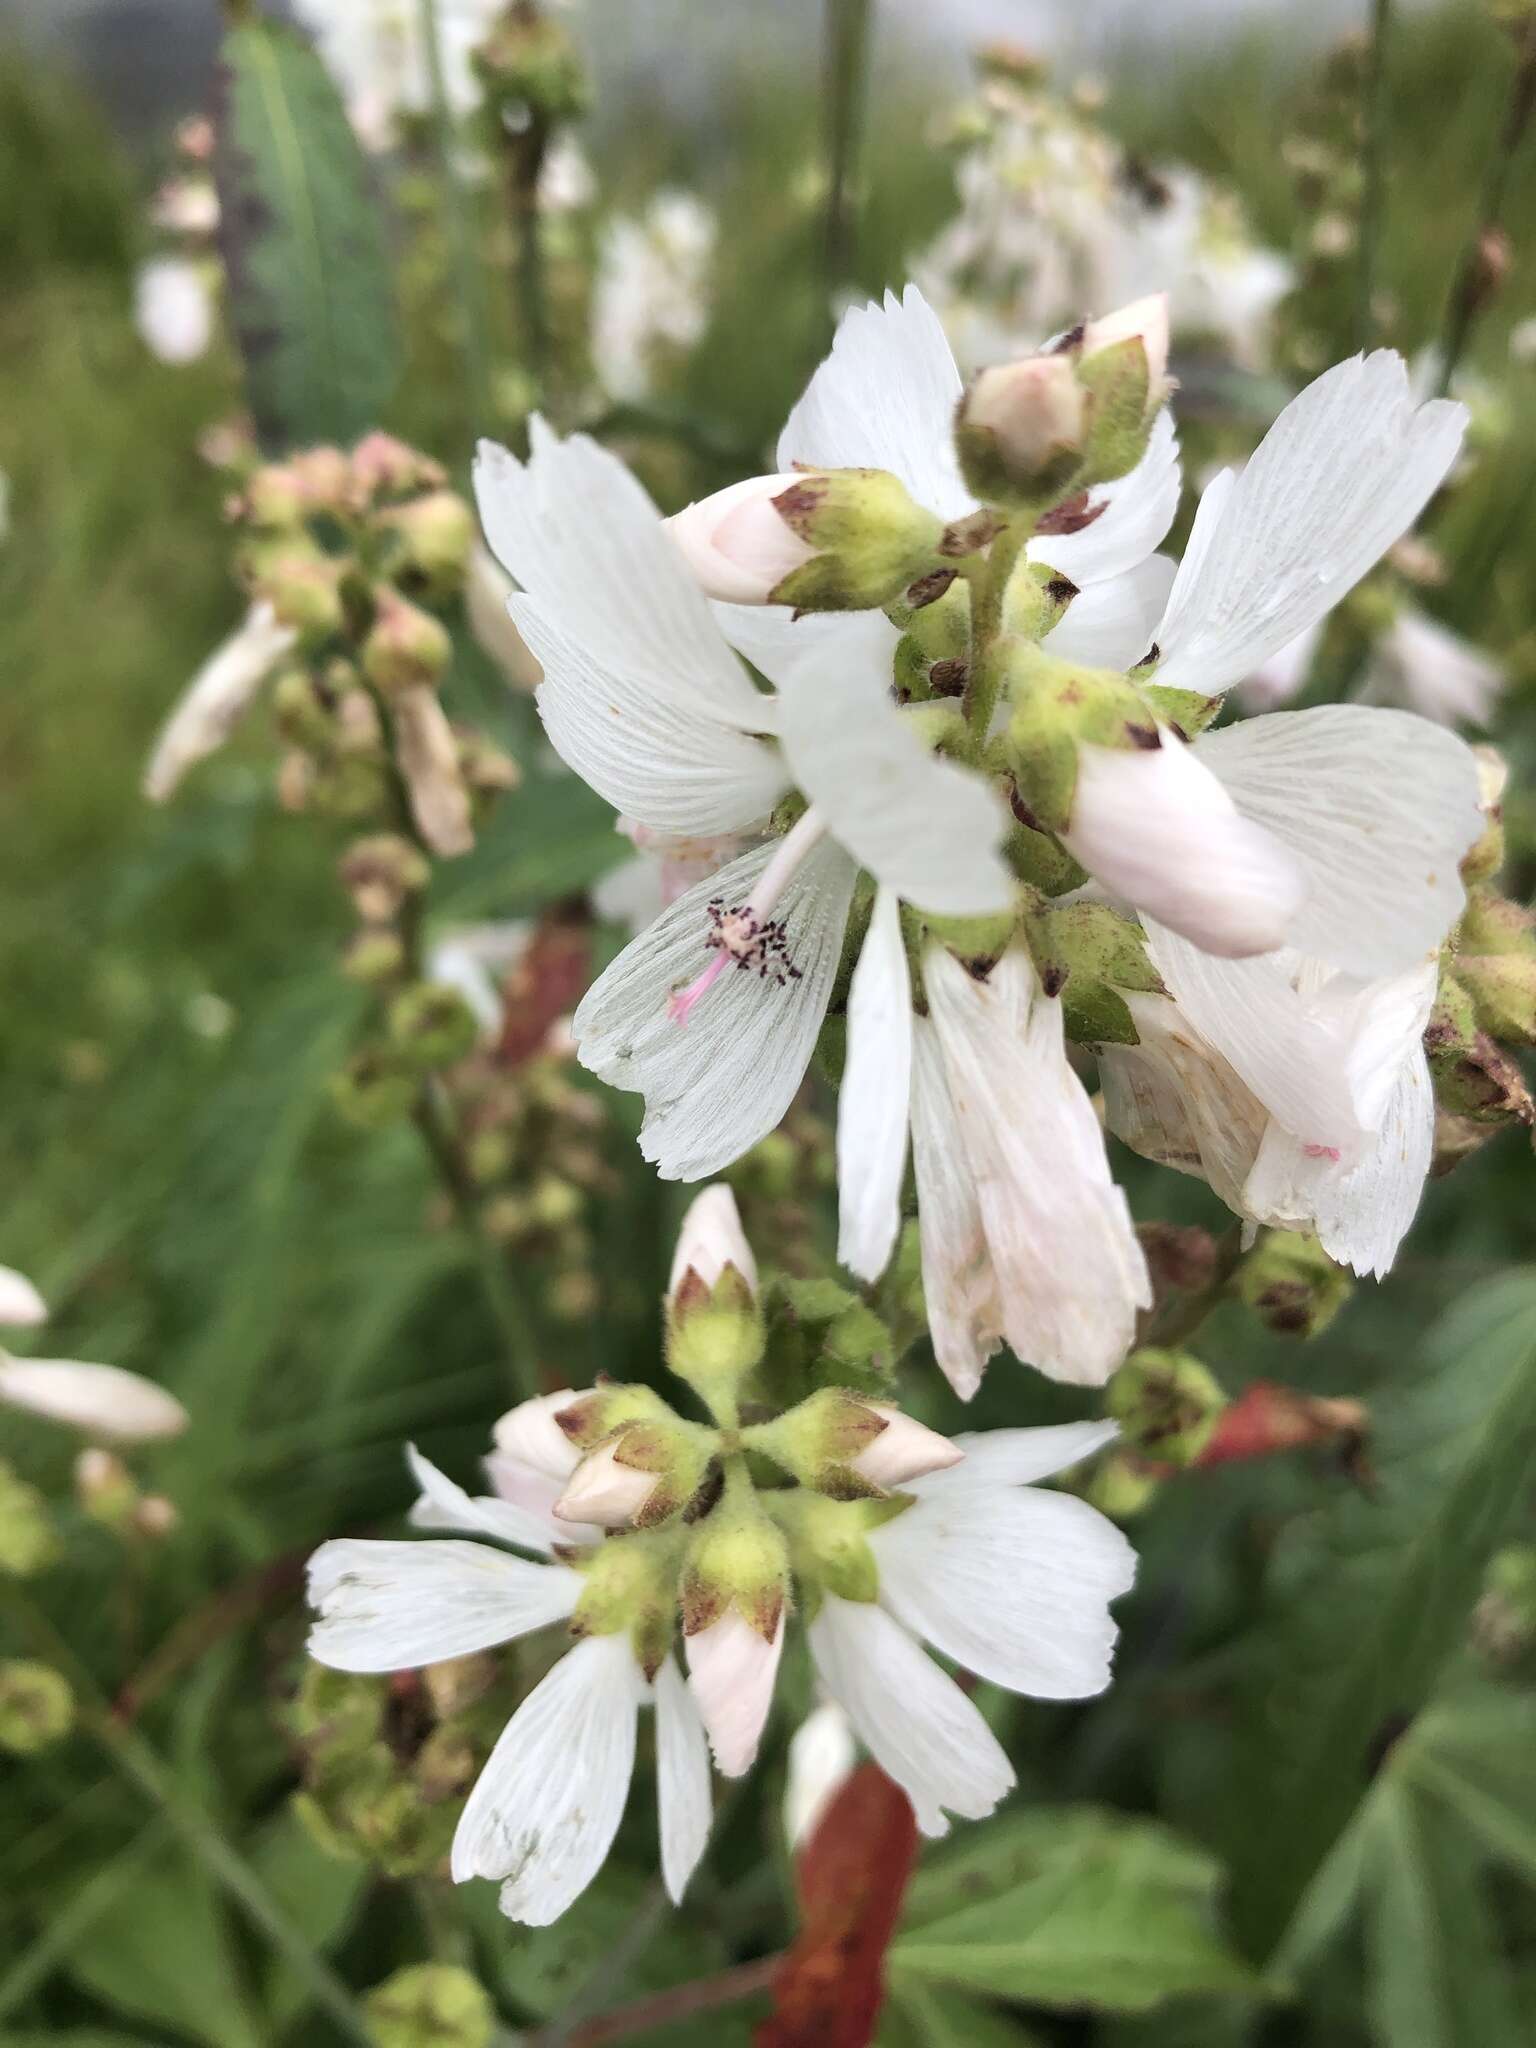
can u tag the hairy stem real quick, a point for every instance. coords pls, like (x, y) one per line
(1471, 290)
(1374, 113)
(989, 587)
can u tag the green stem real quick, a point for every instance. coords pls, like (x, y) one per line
(847, 77)
(459, 229)
(525, 161)
(989, 591)
(1470, 292)
(1374, 150)
(225, 1866)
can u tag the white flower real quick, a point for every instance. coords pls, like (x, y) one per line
(544, 1811)
(475, 959)
(216, 699)
(1013, 1584)
(1426, 668)
(104, 1401)
(822, 1753)
(711, 1238)
(732, 1668)
(186, 206)
(21, 1306)
(649, 294)
(378, 55)
(173, 308)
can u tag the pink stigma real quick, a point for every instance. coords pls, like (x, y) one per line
(1322, 1152)
(680, 1006)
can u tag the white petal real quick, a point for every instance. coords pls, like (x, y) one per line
(965, 1313)
(683, 1803)
(772, 638)
(213, 703)
(1419, 664)
(397, 1606)
(822, 1753)
(530, 1433)
(885, 399)
(1018, 1457)
(1158, 829)
(875, 1097)
(731, 1674)
(443, 1505)
(1377, 806)
(1013, 1583)
(1344, 472)
(905, 1451)
(718, 1083)
(711, 1238)
(102, 1400)
(545, 1810)
(1174, 1099)
(1069, 1270)
(1277, 681)
(928, 828)
(1361, 1214)
(1138, 511)
(641, 694)
(534, 1493)
(1111, 624)
(21, 1306)
(912, 1718)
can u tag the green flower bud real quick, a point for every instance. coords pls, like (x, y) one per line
(851, 1449)
(406, 648)
(869, 539)
(303, 716)
(528, 64)
(373, 1090)
(932, 656)
(37, 1707)
(1167, 1405)
(375, 956)
(430, 2005)
(380, 873)
(736, 1560)
(274, 497)
(630, 1587)
(431, 1026)
(324, 479)
(641, 1476)
(1292, 1285)
(1087, 953)
(383, 468)
(429, 538)
(1503, 991)
(1492, 924)
(1123, 366)
(715, 1333)
(29, 1543)
(1020, 431)
(1482, 1083)
(303, 588)
(1121, 1487)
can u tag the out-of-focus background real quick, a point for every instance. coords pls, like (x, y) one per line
(176, 1178)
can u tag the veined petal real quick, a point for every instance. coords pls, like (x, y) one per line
(1138, 510)
(912, 1718)
(1422, 666)
(885, 399)
(875, 1098)
(398, 1606)
(965, 1311)
(732, 1669)
(1174, 1099)
(1069, 1271)
(684, 1806)
(822, 1754)
(774, 639)
(718, 1083)
(545, 1810)
(1012, 1583)
(930, 830)
(1017, 1457)
(1344, 472)
(444, 1505)
(1110, 624)
(1377, 806)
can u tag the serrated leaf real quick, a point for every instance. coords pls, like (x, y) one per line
(311, 292)
(1075, 1909)
(1370, 1595)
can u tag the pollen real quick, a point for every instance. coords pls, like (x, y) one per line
(738, 937)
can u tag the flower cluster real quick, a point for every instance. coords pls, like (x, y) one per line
(877, 1533)
(976, 811)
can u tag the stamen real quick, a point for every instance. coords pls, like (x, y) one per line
(680, 1004)
(744, 935)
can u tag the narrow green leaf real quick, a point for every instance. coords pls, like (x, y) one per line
(1478, 1761)
(310, 287)
(921, 2015)
(319, 1893)
(1370, 1595)
(1073, 1908)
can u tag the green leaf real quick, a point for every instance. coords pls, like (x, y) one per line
(1475, 1760)
(1072, 1907)
(310, 287)
(319, 1893)
(920, 2015)
(162, 1952)
(1370, 1595)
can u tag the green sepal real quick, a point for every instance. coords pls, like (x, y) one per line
(1118, 383)
(872, 540)
(829, 1542)
(1054, 706)
(1187, 711)
(1491, 923)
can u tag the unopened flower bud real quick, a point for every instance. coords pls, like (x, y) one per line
(737, 543)
(869, 539)
(274, 497)
(380, 873)
(427, 754)
(37, 1707)
(29, 1543)
(105, 1487)
(1167, 1405)
(1144, 321)
(430, 2005)
(431, 1026)
(324, 477)
(1121, 1486)
(374, 1089)
(383, 467)
(104, 1401)
(430, 538)
(640, 1478)
(732, 1667)
(1503, 991)
(1486, 855)
(710, 1243)
(851, 1449)
(21, 1306)
(406, 648)
(157, 1517)
(1181, 1258)
(1292, 1285)
(375, 956)
(1491, 923)
(1019, 431)
(714, 1321)
(589, 1418)
(303, 588)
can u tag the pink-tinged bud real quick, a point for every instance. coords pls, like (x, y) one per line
(103, 1401)
(1144, 320)
(736, 542)
(156, 1517)
(1020, 428)
(710, 1240)
(732, 1669)
(1159, 831)
(21, 1306)
(603, 1491)
(530, 1435)
(903, 1450)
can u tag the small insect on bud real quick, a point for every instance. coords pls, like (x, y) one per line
(37, 1707)
(714, 1321)
(430, 2005)
(1292, 1285)
(102, 1401)
(1167, 1405)
(406, 648)
(1020, 429)
(737, 543)
(380, 872)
